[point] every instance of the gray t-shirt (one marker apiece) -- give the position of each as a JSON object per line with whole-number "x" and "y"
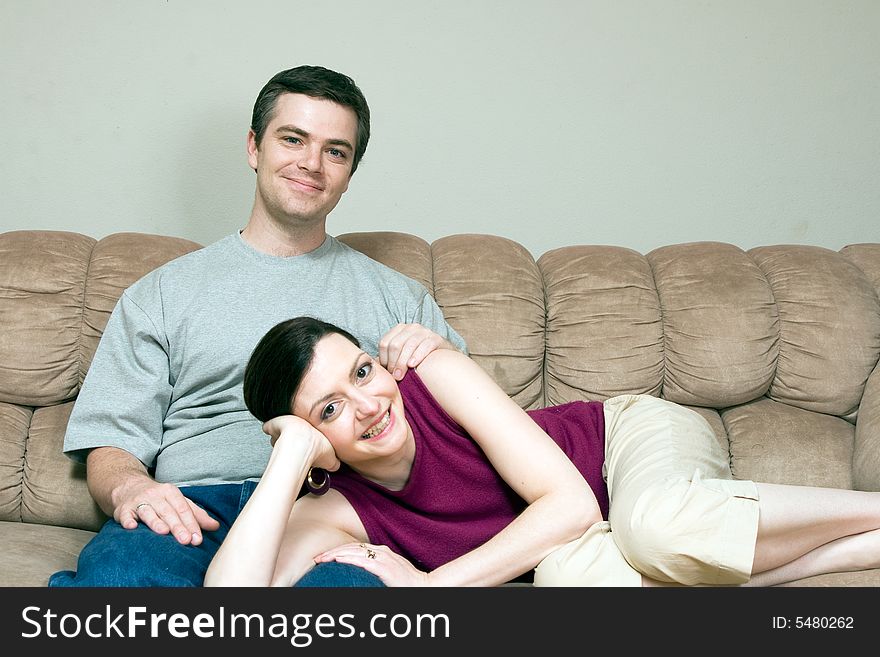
{"x": 166, "y": 381}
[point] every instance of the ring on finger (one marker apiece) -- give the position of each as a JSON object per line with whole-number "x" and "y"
{"x": 371, "y": 554}
{"x": 138, "y": 507}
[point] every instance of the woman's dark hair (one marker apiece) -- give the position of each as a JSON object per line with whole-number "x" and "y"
{"x": 280, "y": 361}
{"x": 317, "y": 82}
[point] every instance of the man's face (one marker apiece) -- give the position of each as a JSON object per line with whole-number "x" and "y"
{"x": 303, "y": 161}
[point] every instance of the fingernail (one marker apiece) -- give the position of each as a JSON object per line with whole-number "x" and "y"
{"x": 397, "y": 374}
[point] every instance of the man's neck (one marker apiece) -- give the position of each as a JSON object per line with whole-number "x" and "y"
{"x": 281, "y": 240}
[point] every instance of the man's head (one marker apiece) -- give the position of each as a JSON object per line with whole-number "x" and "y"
{"x": 316, "y": 82}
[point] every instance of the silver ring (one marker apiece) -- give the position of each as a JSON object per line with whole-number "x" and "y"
{"x": 138, "y": 507}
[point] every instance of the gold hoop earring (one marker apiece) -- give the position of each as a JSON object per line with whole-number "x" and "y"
{"x": 318, "y": 481}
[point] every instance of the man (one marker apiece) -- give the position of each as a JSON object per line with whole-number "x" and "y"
{"x": 172, "y": 453}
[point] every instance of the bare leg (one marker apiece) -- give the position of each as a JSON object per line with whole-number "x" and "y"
{"x": 847, "y": 554}
{"x": 805, "y": 531}
{"x": 795, "y": 520}
{"x": 856, "y": 552}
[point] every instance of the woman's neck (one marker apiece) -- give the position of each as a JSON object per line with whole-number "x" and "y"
{"x": 393, "y": 471}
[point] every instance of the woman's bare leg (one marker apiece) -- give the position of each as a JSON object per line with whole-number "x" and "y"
{"x": 847, "y": 554}
{"x": 805, "y": 531}
{"x": 795, "y": 520}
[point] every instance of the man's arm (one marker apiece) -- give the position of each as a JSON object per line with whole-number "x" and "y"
{"x": 117, "y": 423}
{"x": 123, "y": 489}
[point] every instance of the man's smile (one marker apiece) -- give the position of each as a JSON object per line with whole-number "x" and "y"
{"x": 304, "y": 184}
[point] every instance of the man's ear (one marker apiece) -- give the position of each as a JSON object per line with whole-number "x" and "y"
{"x": 252, "y": 149}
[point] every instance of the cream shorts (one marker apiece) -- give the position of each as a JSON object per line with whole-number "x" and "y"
{"x": 676, "y": 514}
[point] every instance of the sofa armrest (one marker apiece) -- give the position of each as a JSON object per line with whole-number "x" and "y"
{"x": 866, "y": 451}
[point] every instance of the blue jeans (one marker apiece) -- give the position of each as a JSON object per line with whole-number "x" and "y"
{"x": 118, "y": 557}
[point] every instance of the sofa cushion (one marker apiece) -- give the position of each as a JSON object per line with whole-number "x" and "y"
{"x": 31, "y": 553}
{"x": 781, "y": 444}
{"x": 14, "y": 423}
{"x": 408, "y": 254}
{"x": 491, "y": 292}
{"x": 720, "y": 324}
{"x": 866, "y": 451}
{"x": 867, "y": 258}
{"x": 829, "y": 328}
{"x": 43, "y": 277}
{"x": 54, "y": 489}
{"x": 604, "y": 328}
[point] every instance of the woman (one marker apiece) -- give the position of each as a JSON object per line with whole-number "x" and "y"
{"x": 442, "y": 480}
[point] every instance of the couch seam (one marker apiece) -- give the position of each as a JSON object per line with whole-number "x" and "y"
{"x": 24, "y": 453}
{"x": 546, "y": 340}
{"x": 778, "y": 321}
{"x": 864, "y": 274}
{"x": 82, "y": 320}
{"x": 662, "y": 323}
{"x": 724, "y": 424}
{"x": 433, "y": 281}
{"x": 876, "y": 292}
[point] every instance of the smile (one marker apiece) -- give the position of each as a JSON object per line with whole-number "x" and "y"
{"x": 305, "y": 185}
{"x": 379, "y": 427}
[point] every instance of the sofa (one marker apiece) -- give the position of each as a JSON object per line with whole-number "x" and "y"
{"x": 776, "y": 346}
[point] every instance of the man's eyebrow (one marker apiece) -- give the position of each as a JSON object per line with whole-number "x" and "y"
{"x": 302, "y": 133}
{"x": 330, "y": 395}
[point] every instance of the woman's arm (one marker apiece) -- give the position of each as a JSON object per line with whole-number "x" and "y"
{"x": 274, "y": 540}
{"x": 561, "y": 504}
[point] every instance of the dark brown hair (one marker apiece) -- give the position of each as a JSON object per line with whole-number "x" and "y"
{"x": 279, "y": 362}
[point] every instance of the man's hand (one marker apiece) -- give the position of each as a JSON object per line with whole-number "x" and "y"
{"x": 406, "y": 345}
{"x": 164, "y": 509}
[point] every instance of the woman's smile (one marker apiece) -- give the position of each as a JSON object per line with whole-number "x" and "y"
{"x": 381, "y": 427}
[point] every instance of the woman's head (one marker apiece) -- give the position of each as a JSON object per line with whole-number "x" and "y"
{"x": 318, "y": 372}
{"x": 280, "y": 361}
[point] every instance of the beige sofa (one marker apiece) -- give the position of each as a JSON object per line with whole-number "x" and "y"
{"x": 777, "y": 346}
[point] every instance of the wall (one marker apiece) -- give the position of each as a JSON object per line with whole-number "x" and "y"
{"x": 635, "y": 123}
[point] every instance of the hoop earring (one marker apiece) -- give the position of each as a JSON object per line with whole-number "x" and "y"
{"x": 318, "y": 481}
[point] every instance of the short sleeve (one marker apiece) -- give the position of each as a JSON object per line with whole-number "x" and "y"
{"x": 429, "y": 315}
{"x": 126, "y": 391}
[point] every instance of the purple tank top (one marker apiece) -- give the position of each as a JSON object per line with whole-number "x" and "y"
{"x": 454, "y": 500}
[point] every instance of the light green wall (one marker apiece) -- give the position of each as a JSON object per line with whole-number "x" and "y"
{"x": 636, "y": 123}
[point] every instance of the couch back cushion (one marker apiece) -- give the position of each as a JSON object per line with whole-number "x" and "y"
{"x": 829, "y": 327}
{"x": 57, "y": 290}
{"x": 767, "y": 343}
{"x": 43, "y": 278}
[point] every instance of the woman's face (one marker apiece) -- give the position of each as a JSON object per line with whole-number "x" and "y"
{"x": 353, "y": 401}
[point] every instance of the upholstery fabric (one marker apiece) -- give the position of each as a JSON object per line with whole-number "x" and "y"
{"x": 776, "y": 346}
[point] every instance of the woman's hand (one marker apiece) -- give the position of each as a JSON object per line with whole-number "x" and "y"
{"x": 291, "y": 429}
{"x": 390, "y": 567}
{"x": 406, "y": 346}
